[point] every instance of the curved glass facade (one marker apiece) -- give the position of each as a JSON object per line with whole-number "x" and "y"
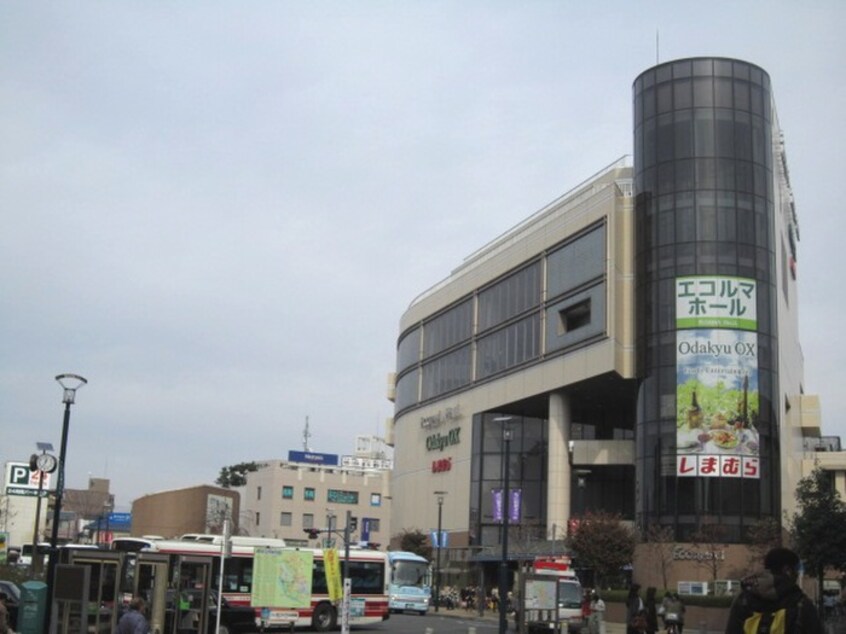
{"x": 707, "y": 428}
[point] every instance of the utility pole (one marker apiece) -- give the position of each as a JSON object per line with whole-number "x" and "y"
{"x": 345, "y": 608}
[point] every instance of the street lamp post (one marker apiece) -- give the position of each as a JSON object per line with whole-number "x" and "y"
{"x": 70, "y": 384}
{"x": 581, "y": 483}
{"x": 503, "y": 564}
{"x": 439, "y": 544}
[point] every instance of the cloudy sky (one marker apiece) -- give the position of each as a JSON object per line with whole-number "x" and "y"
{"x": 217, "y": 211}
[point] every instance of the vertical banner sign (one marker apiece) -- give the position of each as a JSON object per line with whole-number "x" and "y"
{"x": 332, "y": 566}
{"x": 365, "y": 529}
{"x": 497, "y": 504}
{"x": 514, "y": 508}
{"x": 515, "y": 499}
{"x": 717, "y": 395}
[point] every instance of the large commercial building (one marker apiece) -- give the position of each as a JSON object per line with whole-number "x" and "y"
{"x": 632, "y": 347}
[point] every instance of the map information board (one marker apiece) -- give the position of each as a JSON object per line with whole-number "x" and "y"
{"x": 282, "y": 578}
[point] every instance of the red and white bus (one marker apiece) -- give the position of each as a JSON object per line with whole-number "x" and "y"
{"x": 368, "y": 570}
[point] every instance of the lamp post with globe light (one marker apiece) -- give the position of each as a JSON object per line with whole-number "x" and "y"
{"x": 70, "y": 384}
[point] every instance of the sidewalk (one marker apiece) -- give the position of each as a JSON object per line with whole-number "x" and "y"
{"x": 493, "y": 616}
{"x": 610, "y": 627}
{"x": 831, "y": 626}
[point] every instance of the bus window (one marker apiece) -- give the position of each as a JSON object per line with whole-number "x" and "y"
{"x": 368, "y": 577}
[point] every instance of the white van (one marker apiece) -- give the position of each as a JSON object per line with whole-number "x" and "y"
{"x": 25, "y": 558}
{"x": 570, "y": 595}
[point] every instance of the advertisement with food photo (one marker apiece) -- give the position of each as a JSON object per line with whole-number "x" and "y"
{"x": 717, "y": 392}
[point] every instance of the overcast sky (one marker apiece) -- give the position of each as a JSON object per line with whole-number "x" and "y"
{"x": 217, "y": 212}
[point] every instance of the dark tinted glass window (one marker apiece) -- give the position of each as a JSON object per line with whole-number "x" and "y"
{"x": 447, "y": 373}
{"x": 408, "y": 352}
{"x": 722, "y": 93}
{"x": 703, "y": 94}
{"x": 683, "y": 134}
{"x": 683, "y": 94}
{"x": 509, "y": 297}
{"x": 449, "y": 328}
{"x": 510, "y": 346}
{"x": 703, "y": 126}
{"x": 665, "y": 97}
{"x": 742, "y": 96}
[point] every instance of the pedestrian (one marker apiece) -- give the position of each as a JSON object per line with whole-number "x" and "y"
{"x": 597, "y": 614}
{"x": 829, "y": 604}
{"x": 651, "y": 611}
{"x": 4, "y": 614}
{"x": 772, "y": 602}
{"x": 672, "y": 609}
{"x": 133, "y": 620}
{"x": 481, "y": 599}
{"x": 635, "y": 618}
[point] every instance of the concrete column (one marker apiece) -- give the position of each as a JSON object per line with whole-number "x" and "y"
{"x": 558, "y": 464}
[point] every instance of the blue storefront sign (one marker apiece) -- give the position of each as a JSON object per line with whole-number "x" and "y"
{"x": 310, "y": 457}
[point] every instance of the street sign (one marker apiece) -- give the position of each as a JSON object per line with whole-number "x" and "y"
{"x": 32, "y": 493}
{"x": 20, "y": 478}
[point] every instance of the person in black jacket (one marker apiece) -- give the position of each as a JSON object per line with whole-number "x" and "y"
{"x": 635, "y": 615}
{"x": 651, "y": 611}
{"x": 757, "y": 609}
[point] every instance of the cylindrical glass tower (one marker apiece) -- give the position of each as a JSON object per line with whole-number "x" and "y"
{"x": 707, "y": 429}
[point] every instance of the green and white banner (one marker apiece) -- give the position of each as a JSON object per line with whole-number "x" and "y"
{"x": 716, "y": 301}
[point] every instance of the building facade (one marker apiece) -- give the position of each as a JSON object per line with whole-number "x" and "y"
{"x": 315, "y": 491}
{"x": 199, "y": 509}
{"x": 632, "y": 347}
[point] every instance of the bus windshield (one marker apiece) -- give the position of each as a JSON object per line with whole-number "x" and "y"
{"x": 411, "y": 573}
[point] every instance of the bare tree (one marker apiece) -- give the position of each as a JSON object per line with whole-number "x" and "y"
{"x": 658, "y": 541}
{"x": 5, "y": 514}
{"x": 710, "y": 538}
{"x": 763, "y": 535}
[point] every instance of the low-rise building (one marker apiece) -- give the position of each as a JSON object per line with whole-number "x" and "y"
{"x": 199, "y": 509}
{"x": 311, "y": 490}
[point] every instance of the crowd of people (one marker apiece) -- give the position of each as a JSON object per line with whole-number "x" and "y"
{"x": 472, "y": 598}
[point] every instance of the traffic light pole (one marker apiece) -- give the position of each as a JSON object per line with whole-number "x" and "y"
{"x": 345, "y": 608}
{"x": 351, "y": 525}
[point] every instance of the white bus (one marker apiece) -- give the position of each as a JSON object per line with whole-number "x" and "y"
{"x": 410, "y": 586}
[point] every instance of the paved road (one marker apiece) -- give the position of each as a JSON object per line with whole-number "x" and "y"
{"x": 464, "y": 622}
